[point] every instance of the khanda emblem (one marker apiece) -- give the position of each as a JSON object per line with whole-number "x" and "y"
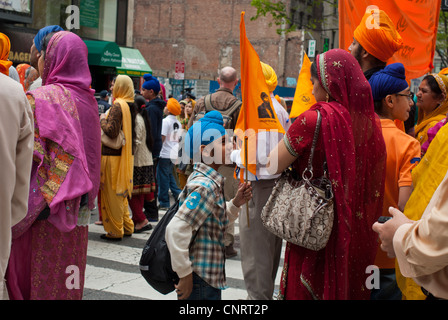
{"x": 306, "y": 99}
{"x": 402, "y": 24}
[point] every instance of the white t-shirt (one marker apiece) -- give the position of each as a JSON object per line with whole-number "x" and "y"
{"x": 171, "y": 130}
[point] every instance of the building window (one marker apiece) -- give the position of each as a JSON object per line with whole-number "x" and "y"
{"x": 98, "y": 19}
{"x": 49, "y": 12}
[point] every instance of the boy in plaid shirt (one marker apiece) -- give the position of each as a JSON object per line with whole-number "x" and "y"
{"x": 203, "y": 212}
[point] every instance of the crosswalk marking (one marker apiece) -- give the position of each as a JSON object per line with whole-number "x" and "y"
{"x": 113, "y": 269}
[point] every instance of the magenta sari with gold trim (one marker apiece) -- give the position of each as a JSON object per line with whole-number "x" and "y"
{"x": 66, "y": 166}
{"x": 356, "y": 155}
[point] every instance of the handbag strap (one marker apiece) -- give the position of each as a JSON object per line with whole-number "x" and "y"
{"x": 316, "y": 137}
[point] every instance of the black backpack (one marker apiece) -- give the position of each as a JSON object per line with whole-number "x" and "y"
{"x": 155, "y": 262}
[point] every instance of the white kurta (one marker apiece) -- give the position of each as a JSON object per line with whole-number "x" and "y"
{"x": 16, "y": 145}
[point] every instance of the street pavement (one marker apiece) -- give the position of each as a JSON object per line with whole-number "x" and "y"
{"x": 113, "y": 273}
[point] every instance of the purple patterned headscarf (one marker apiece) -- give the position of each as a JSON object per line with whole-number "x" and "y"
{"x": 67, "y": 155}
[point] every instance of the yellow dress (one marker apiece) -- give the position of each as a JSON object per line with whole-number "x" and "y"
{"x": 117, "y": 172}
{"x": 426, "y": 178}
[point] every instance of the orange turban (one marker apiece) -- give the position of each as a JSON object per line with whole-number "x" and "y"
{"x": 5, "y": 46}
{"x": 173, "y": 106}
{"x": 381, "y": 42}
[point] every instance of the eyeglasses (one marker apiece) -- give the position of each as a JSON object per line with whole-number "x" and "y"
{"x": 409, "y": 96}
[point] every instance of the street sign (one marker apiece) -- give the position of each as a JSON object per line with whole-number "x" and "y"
{"x": 311, "y": 48}
{"x": 179, "y": 71}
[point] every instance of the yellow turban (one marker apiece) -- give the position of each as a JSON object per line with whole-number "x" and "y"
{"x": 5, "y": 46}
{"x": 444, "y": 72}
{"x": 381, "y": 42}
{"x": 173, "y": 106}
{"x": 270, "y": 76}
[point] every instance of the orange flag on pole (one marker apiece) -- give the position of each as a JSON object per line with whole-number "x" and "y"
{"x": 257, "y": 111}
{"x": 416, "y": 22}
{"x": 303, "y": 98}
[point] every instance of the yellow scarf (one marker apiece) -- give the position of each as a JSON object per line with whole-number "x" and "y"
{"x": 426, "y": 177}
{"x": 123, "y": 93}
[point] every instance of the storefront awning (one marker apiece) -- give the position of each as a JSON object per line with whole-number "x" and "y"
{"x": 104, "y": 53}
{"x": 133, "y": 63}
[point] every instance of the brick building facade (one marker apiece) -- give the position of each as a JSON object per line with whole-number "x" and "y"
{"x": 205, "y": 35}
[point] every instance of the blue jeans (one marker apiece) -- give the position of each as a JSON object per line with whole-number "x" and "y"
{"x": 166, "y": 181}
{"x": 203, "y": 291}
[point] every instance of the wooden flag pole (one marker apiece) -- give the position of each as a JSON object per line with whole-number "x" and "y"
{"x": 246, "y": 138}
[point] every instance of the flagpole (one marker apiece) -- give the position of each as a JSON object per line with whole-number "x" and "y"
{"x": 246, "y": 138}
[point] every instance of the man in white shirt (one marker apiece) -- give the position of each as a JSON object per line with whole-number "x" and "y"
{"x": 169, "y": 153}
{"x": 260, "y": 249}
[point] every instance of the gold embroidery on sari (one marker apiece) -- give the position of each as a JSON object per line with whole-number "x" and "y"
{"x": 308, "y": 287}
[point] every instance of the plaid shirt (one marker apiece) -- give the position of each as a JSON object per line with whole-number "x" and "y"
{"x": 203, "y": 207}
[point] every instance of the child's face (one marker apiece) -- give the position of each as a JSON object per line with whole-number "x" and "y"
{"x": 402, "y": 105}
{"x": 166, "y": 111}
{"x": 220, "y": 150}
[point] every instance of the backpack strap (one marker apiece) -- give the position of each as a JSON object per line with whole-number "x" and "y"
{"x": 208, "y": 103}
{"x": 228, "y": 112}
{"x": 235, "y": 105}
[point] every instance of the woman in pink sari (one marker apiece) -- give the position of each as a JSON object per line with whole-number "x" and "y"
{"x": 49, "y": 247}
{"x": 351, "y": 142}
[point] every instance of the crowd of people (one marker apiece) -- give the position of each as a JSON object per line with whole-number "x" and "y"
{"x": 67, "y": 156}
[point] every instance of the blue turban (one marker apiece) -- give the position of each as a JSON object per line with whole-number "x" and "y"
{"x": 43, "y": 33}
{"x": 390, "y": 80}
{"x": 208, "y": 129}
{"x": 151, "y": 83}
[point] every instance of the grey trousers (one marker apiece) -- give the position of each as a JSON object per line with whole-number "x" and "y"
{"x": 260, "y": 249}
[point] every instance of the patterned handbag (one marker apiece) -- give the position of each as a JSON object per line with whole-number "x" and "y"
{"x": 302, "y": 211}
{"x": 116, "y": 143}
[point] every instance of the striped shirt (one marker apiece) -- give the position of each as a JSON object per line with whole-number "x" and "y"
{"x": 203, "y": 207}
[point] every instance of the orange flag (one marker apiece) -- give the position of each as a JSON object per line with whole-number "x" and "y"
{"x": 416, "y": 22}
{"x": 257, "y": 112}
{"x": 303, "y": 98}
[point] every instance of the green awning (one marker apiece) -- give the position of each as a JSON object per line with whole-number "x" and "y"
{"x": 104, "y": 53}
{"x": 133, "y": 63}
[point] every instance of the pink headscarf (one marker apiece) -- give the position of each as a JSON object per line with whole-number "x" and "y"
{"x": 163, "y": 92}
{"x": 67, "y": 132}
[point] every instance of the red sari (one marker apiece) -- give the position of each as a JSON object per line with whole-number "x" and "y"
{"x": 351, "y": 141}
